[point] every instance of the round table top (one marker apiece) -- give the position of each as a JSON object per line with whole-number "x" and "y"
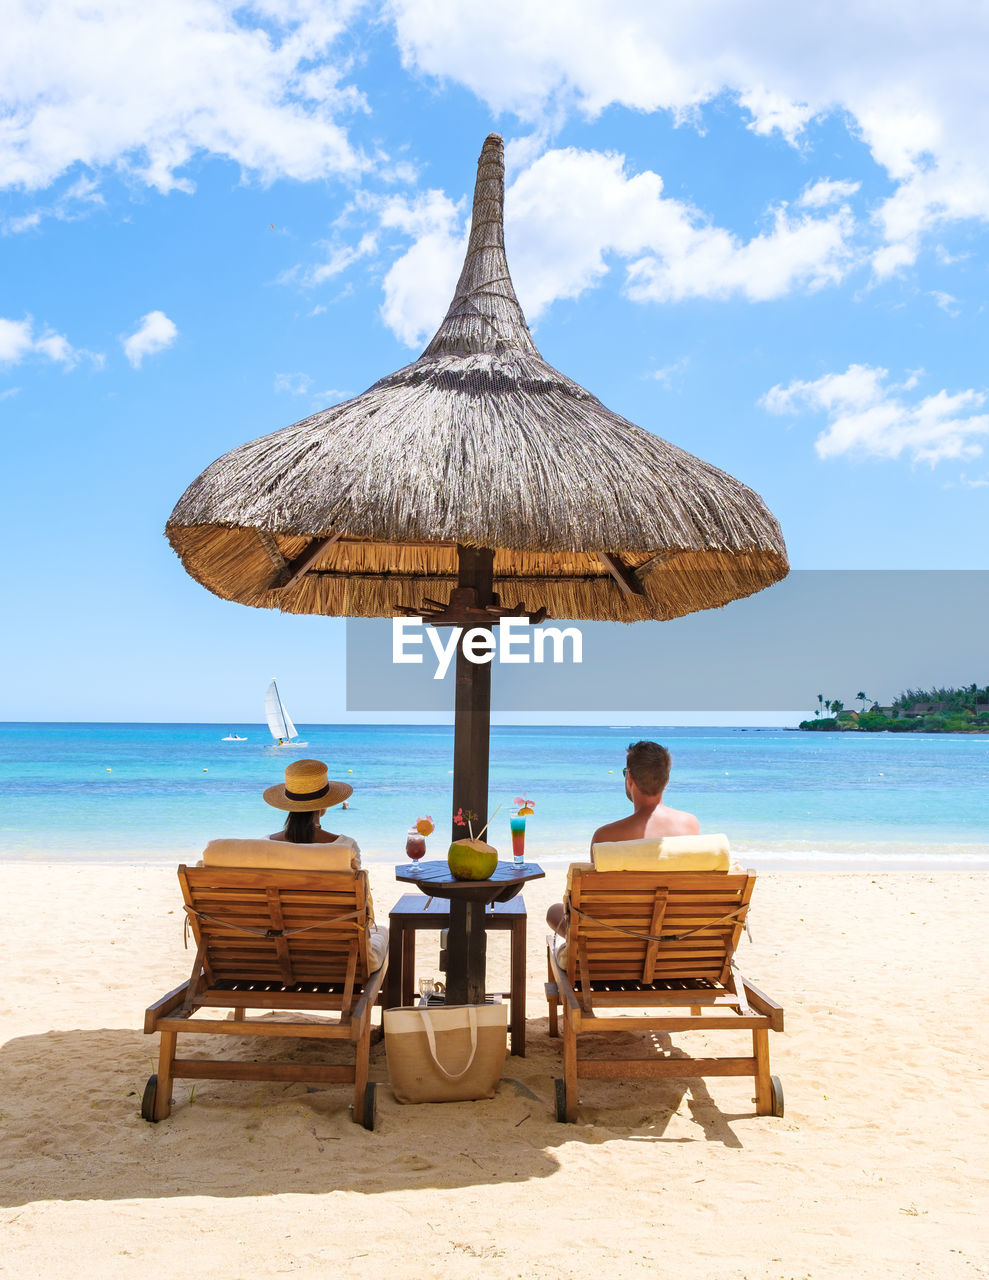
{"x": 436, "y": 879}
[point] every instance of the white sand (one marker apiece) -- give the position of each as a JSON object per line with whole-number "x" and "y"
{"x": 879, "y": 1168}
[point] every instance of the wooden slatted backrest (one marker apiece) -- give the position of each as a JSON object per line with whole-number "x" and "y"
{"x": 316, "y": 935}
{"x": 647, "y": 902}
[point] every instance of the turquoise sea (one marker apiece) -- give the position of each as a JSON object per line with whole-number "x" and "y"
{"x": 155, "y": 792}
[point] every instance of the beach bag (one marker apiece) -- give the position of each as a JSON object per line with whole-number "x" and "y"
{"x": 447, "y": 1054}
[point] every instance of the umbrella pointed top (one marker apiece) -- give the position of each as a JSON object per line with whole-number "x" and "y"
{"x": 485, "y": 315}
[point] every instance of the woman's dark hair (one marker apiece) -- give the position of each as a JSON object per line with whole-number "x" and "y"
{"x": 301, "y": 827}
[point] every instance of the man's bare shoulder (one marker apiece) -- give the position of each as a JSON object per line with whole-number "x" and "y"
{"x": 665, "y": 821}
{"x": 624, "y": 829}
{"x": 686, "y": 822}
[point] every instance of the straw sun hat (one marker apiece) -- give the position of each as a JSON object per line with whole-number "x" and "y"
{"x": 307, "y": 787}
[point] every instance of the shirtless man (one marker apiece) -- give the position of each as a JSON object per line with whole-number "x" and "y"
{"x": 647, "y": 772}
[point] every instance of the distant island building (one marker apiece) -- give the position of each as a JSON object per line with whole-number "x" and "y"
{"x": 924, "y": 711}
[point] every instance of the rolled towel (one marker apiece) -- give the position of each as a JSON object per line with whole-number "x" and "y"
{"x": 671, "y": 853}
{"x": 279, "y": 855}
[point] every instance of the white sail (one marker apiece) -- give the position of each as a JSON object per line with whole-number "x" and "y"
{"x": 279, "y": 721}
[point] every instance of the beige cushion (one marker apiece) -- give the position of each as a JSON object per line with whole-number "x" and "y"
{"x": 377, "y": 944}
{"x": 278, "y": 855}
{"x": 671, "y": 853}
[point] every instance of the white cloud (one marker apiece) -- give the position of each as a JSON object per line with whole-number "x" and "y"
{"x": 669, "y": 373}
{"x": 946, "y": 301}
{"x": 826, "y": 192}
{"x": 339, "y": 258}
{"x": 300, "y": 384}
{"x": 909, "y": 80}
{"x": 79, "y": 199}
{"x": 18, "y": 340}
{"x": 571, "y": 213}
{"x": 57, "y": 348}
{"x": 419, "y": 285}
{"x": 296, "y": 384}
{"x": 868, "y": 416}
{"x": 148, "y": 86}
{"x": 771, "y": 110}
{"x": 24, "y": 222}
{"x": 947, "y": 259}
{"x": 693, "y": 260}
{"x": 155, "y": 333}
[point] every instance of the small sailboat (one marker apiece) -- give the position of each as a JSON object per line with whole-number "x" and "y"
{"x": 279, "y": 721}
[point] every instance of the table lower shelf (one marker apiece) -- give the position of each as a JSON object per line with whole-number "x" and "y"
{"x": 413, "y": 912}
{"x": 439, "y": 1001}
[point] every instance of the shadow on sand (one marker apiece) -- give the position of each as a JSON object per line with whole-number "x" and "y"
{"x": 73, "y": 1130}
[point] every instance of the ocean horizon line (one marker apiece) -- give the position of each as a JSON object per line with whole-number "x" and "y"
{"x": 401, "y": 724}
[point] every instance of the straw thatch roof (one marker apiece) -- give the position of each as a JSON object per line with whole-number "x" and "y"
{"x": 358, "y": 509}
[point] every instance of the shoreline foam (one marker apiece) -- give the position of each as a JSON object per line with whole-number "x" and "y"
{"x": 780, "y": 855}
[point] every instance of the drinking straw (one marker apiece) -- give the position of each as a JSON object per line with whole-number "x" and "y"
{"x": 488, "y": 823}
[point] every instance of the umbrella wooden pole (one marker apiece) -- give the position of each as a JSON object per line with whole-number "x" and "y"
{"x": 472, "y": 727}
{"x": 472, "y": 715}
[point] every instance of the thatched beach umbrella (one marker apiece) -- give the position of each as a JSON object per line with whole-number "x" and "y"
{"x": 475, "y": 482}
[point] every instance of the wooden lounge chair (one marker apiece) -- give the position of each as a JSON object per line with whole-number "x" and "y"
{"x": 654, "y": 951}
{"x": 275, "y": 940}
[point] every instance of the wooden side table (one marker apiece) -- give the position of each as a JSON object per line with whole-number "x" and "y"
{"x": 413, "y": 911}
{"x": 469, "y": 902}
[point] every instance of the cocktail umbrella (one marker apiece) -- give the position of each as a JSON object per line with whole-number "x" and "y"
{"x": 475, "y": 482}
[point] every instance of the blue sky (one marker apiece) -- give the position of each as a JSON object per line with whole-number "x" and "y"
{"x": 755, "y": 230}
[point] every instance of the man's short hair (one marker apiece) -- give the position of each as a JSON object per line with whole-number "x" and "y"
{"x": 649, "y": 764}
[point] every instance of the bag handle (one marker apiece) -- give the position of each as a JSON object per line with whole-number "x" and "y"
{"x": 431, "y": 1041}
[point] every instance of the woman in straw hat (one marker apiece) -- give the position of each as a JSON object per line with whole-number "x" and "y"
{"x": 305, "y": 796}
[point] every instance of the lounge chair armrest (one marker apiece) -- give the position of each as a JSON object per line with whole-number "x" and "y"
{"x": 763, "y": 1004}
{"x": 164, "y": 1006}
{"x": 369, "y": 996}
{"x": 566, "y": 992}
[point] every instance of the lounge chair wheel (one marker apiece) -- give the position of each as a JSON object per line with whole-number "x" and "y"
{"x": 777, "y": 1088}
{"x": 370, "y": 1111}
{"x": 561, "y": 1099}
{"x": 148, "y": 1101}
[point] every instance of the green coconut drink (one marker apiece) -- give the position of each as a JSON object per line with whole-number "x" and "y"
{"x": 472, "y": 859}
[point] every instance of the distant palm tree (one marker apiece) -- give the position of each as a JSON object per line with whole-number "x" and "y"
{"x": 863, "y": 698}
{"x": 820, "y": 699}
{"x": 837, "y": 707}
